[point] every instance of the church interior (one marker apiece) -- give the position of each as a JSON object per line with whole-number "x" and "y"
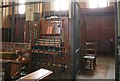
{"x": 59, "y": 40}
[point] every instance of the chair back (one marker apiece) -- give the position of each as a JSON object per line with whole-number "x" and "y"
{"x": 91, "y": 47}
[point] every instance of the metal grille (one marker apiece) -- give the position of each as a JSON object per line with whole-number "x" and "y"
{"x": 54, "y": 35}
{"x": 117, "y": 44}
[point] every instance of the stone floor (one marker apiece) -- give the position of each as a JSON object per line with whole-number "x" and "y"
{"x": 105, "y": 69}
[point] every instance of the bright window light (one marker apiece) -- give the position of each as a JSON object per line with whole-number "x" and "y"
{"x": 21, "y": 1}
{"x": 102, "y": 3}
{"x": 21, "y": 8}
{"x": 60, "y": 5}
{"x": 98, "y": 3}
{"x": 92, "y": 3}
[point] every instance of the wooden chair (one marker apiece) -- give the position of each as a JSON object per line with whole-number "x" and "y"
{"x": 90, "y": 56}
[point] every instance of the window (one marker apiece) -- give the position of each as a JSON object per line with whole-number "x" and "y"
{"x": 21, "y": 8}
{"x": 60, "y": 5}
{"x": 98, "y": 3}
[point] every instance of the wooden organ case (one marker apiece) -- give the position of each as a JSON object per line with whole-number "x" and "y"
{"x": 50, "y": 51}
{"x": 31, "y": 31}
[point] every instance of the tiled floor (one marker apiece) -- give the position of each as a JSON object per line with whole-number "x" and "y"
{"x": 105, "y": 69}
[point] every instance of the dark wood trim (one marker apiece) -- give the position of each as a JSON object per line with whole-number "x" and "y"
{"x": 97, "y": 10}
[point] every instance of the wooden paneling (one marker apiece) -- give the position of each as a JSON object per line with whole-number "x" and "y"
{"x": 6, "y": 34}
{"x": 85, "y": 3}
{"x": 100, "y": 27}
{"x": 19, "y": 30}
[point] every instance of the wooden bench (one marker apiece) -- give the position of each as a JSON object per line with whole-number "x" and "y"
{"x": 8, "y": 55}
{"x": 39, "y": 75}
{"x": 8, "y": 51}
{"x": 11, "y": 69}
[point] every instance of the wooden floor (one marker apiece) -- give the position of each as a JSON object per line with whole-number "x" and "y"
{"x": 105, "y": 69}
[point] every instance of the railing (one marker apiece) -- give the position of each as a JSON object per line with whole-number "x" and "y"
{"x": 13, "y": 46}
